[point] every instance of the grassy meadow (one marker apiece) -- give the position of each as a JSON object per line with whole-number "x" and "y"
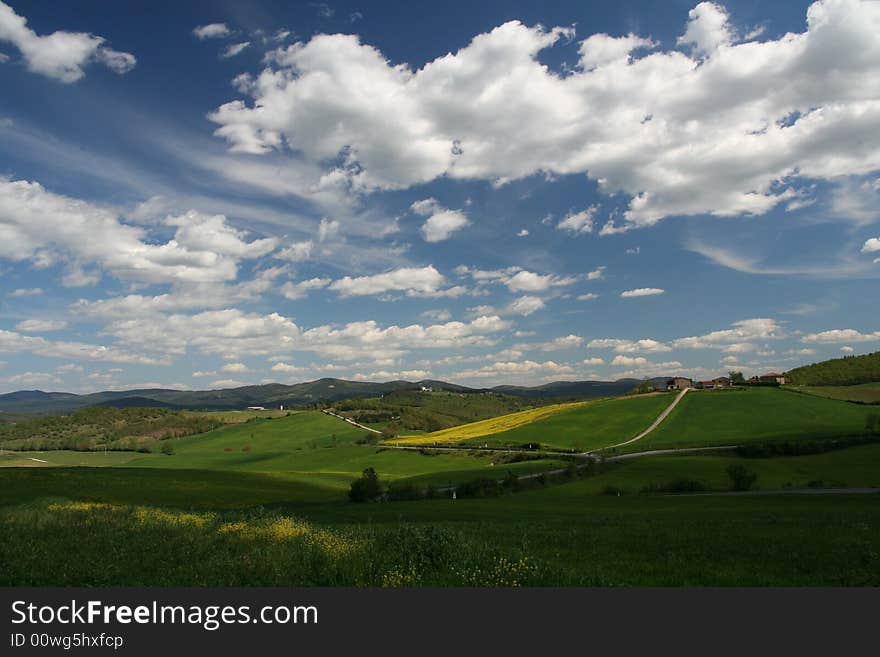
{"x": 867, "y": 393}
{"x": 732, "y": 417}
{"x": 264, "y": 502}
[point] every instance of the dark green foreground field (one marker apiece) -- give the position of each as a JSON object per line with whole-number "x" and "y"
{"x": 264, "y": 503}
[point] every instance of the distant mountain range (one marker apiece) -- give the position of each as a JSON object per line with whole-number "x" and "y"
{"x": 274, "y": 395}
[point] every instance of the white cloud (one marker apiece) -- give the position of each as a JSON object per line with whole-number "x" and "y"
{"x": 291, "y": 290}
{"x": 578, "y": 222}
{"x": 730, "y": 129}
{"x": 707, "y": 28}
{"x": 327, "y": 229}
{"x": 527, "y": 281}
{"x": 746, "y": 330}
{"x": 601, "y": 49}
{"x": 593, "y": 361}
{"x": 234, "y": 49}
{"x": 235, "y": 334}
{"x": 384, "y": 375}
{"x": 589, "y": 296}
{"x": 847, "y": 349}
{"x": 570, "y": 341}
{"x": 60, "y": 55}
{"x": 228, "y": 383}
{"x": 12, "y": 342}
{"x": 413, "y": 280}
{"x": 630, "y": 361}
{"x": 871, "y": 245}
{"x": 597, "y": 274}
{"x": 646, "y": 345}
{"x": 296, "y": 252}
{"x": 441, "y": 315}
{"x": 211, "y": 31}
{"x": 523, "y": 233}
{"x": 441, "y": 222}
{"x": 40, "y": 325}
{"x": 641, "y": 292}
{"x": 235, "y": 368}
{"x": 287, "y": 368}
{"x": 33, "y": 379}
{"x": 840, "y": 335}
{"x": 525, "y": 306}
{"x": 204, "y": 249}
{"x": 26, "y": 292}
{"x": 519, "y": 368}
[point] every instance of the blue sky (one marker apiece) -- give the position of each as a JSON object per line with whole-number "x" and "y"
{"x": 219, "y": 193}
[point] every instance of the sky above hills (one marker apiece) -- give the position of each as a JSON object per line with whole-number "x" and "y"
{"x": 214, "y": 194}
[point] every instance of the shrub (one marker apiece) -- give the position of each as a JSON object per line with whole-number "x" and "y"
{"x": 482, "y": 487}
{"x": 741, "y": 477}
{"x": 404, "y": 491}
{"x": 167, "y": 448}
{"x": 366, "y": 489}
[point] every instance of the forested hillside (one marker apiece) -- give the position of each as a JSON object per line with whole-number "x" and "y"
{"x": 849, "y": 370}
{"x": 99, "y": 427}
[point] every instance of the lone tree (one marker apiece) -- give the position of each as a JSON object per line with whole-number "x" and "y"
{"x": 736, "y": 378}
{"x": 366, "y": 489}
{"x": 167, "y": 448}
{"x": 741, "y": 477}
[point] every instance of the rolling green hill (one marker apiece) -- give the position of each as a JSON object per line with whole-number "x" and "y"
{"x": 100, "y": 427}
{"x": 733, "y": 417}
{"x": 846, "y": 371}
{"x": 273, "y": 395}
{"x": 574, "y": 426}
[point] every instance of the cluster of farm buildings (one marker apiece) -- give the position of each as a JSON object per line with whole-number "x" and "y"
{"x": 681, "y": 382}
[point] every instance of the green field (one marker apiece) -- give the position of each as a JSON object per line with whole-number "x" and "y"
{"x": 312, "y": 454}
{"x": 588, "y": 427}
{"x": 868, "y": 393}
{"x": 265, "y": 503}
{"x": 734, "y": 417}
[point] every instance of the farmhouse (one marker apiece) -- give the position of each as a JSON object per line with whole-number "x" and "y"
{"x": 772, "y": 377}
{"x": 679, "y": 383}
{"x": 256, "y": 408}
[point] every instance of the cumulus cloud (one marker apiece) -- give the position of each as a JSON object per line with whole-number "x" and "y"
{"x": 12, "y": 342}
{"x": 60, "y": 55}
{"x": 840, "y": 335}
{"x": 441, "y": 222}
{"x": 233, "y": 333}
{"x": 641, "y": 292}
{"x": 525, "y": 306}
{"x": 40, "y": 325}
{"x": 236, "y": 368}
{"x": 578, "y": 222}
{"x": 645, "y": 345}
{"x": 204, "y": 249}
{"x": 871, "y": 245}
{"x": 414, "y": 281}
{"x": 211, "y": 31}
{"x": 707, "y": 28}
{"x": 746, "y": 330}
{"x": 291, "y": 290}
{"x": 729, "y": 128}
